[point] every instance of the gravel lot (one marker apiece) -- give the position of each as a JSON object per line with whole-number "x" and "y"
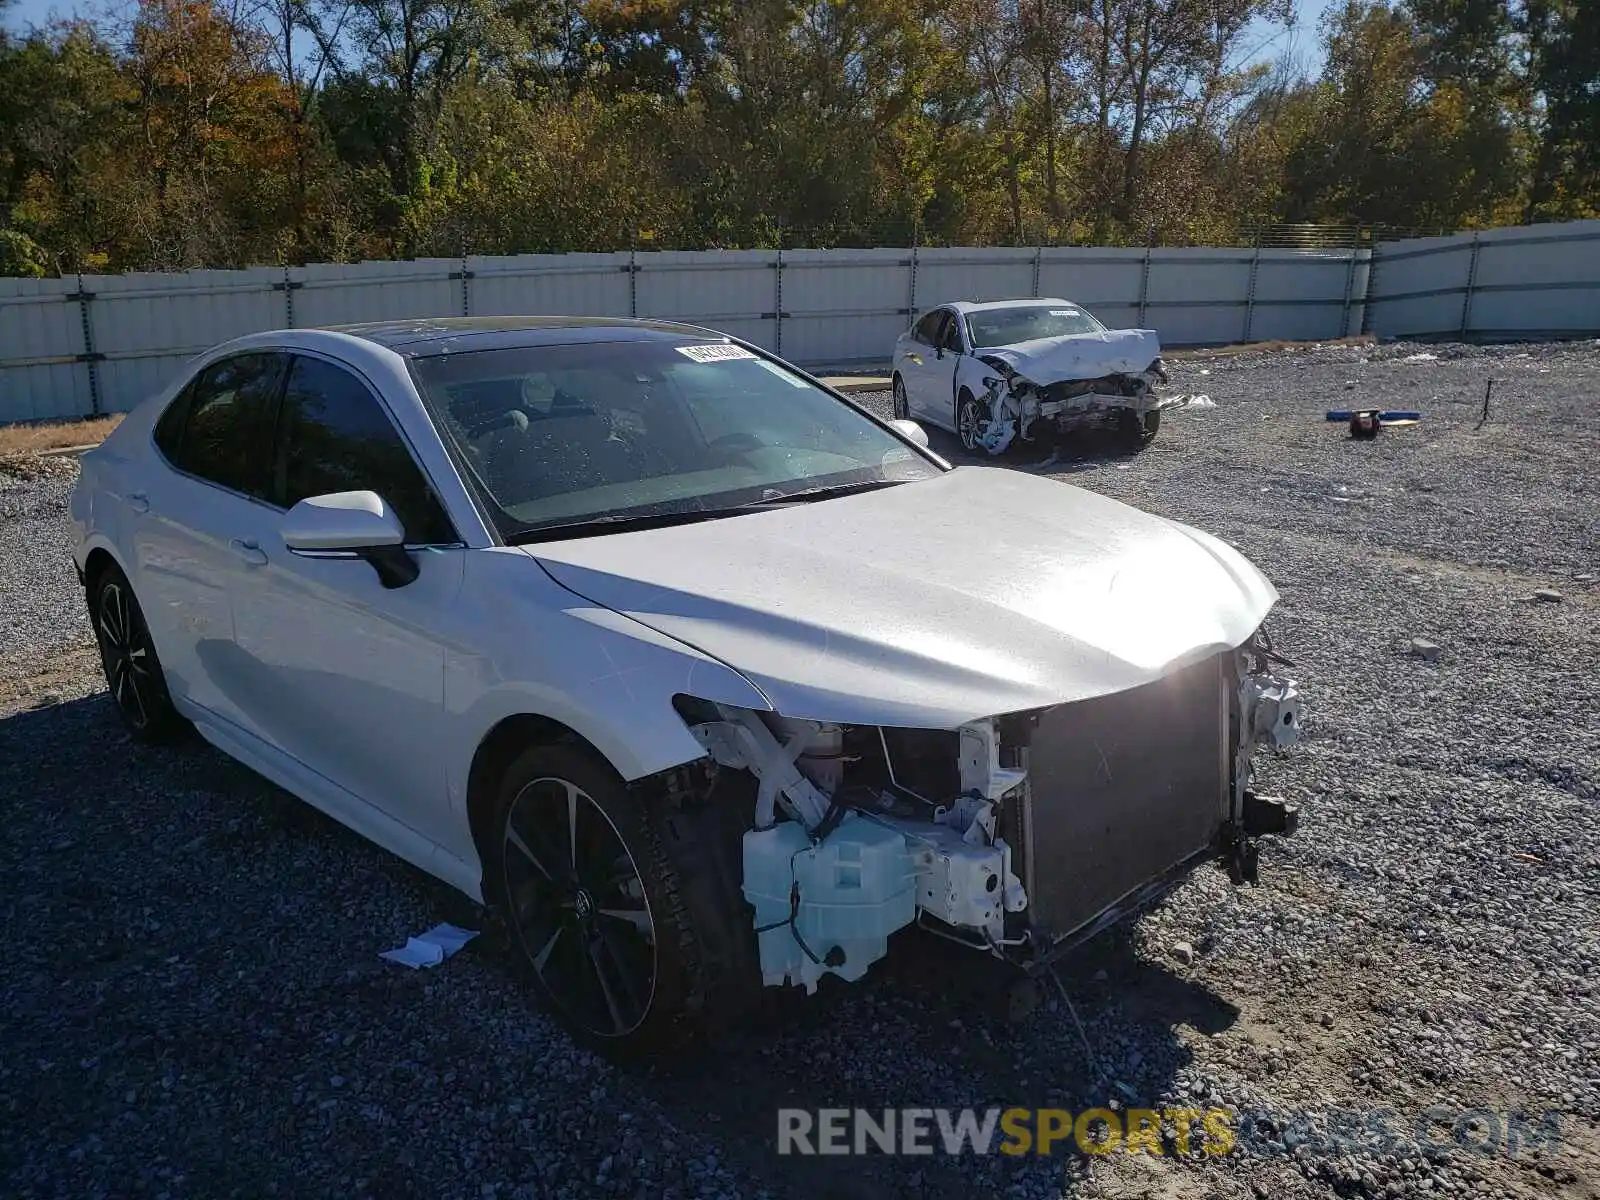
{"x": 192, "y": 1003}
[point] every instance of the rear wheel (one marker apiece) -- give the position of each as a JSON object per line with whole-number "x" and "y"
{"x": 594, "y": 907}
{"x": 128, "y": 656}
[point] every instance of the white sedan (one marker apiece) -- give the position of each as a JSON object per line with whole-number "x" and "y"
{"x": 1002, "y": 371}
{"x": 701, "y": 675}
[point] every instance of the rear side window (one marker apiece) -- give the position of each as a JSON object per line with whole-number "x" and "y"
{"x": 337, "y": 437}
{"x": 217, "y": 429}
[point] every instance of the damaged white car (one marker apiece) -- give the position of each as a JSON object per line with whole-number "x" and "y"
{"x": 700, "y": 675}
{"x": 1010, "y": 371}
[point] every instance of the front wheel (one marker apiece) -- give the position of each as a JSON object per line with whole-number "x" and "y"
{"x": 133, "y": 673}
{"x": 1134, "y": 430}
{"x": 970, "y": 421}
{"x": 594, "y": 907}
{"x": 902, "y": 406}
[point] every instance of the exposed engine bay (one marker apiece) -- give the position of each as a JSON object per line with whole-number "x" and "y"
{"x": 1017, "y": 836}
{"x": 1017, "y": 408}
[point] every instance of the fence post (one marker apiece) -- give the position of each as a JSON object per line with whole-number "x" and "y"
{"x": 1472, "y": 280}
{"x": 633, "y": 272}
{"x": 1250, "y": 293}
{"x": 1038, "y": 255}
{"x": 466, "y": 283}
{"x": 916, "y": 239}
{"x": 288, "y": 287}
{"x": 90, "y": 357}
{"x": 1368, "y": 296}
{"x": 777, "y": 296}
{"x": 1144, "y": 275}
{"x": 1350, "y": 283}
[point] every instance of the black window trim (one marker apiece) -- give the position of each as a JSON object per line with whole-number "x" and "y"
{"x": 185, "y": 397}
{"x": 279, "y": 446}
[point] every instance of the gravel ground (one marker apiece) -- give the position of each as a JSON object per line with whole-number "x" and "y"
{"x": 193, "y": 1003}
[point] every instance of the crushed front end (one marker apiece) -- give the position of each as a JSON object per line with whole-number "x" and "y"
{"x": 1018, "y": 836}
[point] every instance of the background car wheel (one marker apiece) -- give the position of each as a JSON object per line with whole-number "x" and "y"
{"x": 1134, "y": 431}
{"x": 128, "y": 655}
{"x": 902, "y": 406}
{"x": 970, "y": 420}
{"x": 595, "y": 910}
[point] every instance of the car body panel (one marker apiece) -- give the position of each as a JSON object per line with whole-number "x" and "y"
{"x": 908, "y": 607}
{"x": 1080, "y": 356}
{"x": 918, "y": 605}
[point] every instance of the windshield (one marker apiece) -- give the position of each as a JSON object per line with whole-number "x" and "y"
{"x": 1025, "y": 322}
{"x": 602, "y": 431}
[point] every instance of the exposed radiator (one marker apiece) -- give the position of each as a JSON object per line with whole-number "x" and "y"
{"x": 1122, "y": 789}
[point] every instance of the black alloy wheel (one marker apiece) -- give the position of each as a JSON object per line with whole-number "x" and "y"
{"x": 128, "y": 656}
{"x": 590, "y": 901}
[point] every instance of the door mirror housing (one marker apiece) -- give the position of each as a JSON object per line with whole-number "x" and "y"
{"x": 357, "y": 524}
{"x": 911, "y": 430}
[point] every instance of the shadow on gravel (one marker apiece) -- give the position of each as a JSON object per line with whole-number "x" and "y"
{"x": 931, "y": 1029}
{"x": 134, "y": 871}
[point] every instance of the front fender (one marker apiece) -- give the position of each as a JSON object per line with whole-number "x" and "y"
{"x": 540, "y": 650}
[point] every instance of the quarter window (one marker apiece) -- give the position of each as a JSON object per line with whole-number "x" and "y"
{"x": 336, "y": 437}
{"x": 217, "y": 429}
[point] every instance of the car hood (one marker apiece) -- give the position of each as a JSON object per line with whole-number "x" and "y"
{"x": 980, "y": 592}
{"x": 1080, "y": 355}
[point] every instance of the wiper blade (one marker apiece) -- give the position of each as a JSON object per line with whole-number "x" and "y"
{"x": 625, "y": 522}
{"x": 613, "y": 523}
{"x": 818, "y": 493}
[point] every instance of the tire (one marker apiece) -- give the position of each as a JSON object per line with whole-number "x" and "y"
{"x": 596, "y": 918}
{"x": 1134, "y": 432}
{"x": 134, "y": 677}
{"x": 902, "y": 406}
{"x": 969, "y": 414}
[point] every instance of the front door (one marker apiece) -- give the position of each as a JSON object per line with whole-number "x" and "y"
{"x": 347, "y": 676}
{"x": 193, "y": 525}
{"x": 929, "y": 396}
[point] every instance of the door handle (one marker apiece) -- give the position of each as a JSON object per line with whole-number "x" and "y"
{"x": 249, "y": 552}
{"x": 139, "y": 502}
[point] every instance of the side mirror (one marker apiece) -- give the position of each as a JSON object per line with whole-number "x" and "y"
{"x": 354, "y": 523}
{"x": 912, "y": 430}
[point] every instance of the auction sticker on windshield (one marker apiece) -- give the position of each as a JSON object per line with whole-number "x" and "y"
{"x": 714, "y": 353}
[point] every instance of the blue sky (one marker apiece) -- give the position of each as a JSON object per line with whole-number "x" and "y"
{"x": 1268, "y": 43}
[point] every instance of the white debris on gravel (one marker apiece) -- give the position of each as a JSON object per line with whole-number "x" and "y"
{"x": 1429, "y": 940}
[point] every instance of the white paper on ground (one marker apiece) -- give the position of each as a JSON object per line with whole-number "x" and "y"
{"x": 431, "y": 948}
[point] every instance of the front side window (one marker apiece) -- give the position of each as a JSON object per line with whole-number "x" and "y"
{"x": 927, "y": 330}
{"x": 950, "y": 338}
{"x": 561, "y": 435}
{"x": 1026, "y": 322}
{"x": 337, "y": 437}
{"x": 219, "y": 426}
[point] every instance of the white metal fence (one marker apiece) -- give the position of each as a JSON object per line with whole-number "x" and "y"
{"x": 1523, "y": 282}
{"x": 92, "y": 344}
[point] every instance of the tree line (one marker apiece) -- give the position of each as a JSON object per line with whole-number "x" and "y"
{"x": 218, "y": 133}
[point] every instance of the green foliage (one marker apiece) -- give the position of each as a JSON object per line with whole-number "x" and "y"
{"x": 21, "y": 256}
{"x": 298, "y": 130}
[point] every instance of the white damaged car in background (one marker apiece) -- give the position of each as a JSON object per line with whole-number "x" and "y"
{"x": 699, "y": 675}
{"x": 1007, "y": 371}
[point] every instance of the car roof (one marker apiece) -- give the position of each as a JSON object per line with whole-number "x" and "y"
{"x": 423, "y": 336}
{"x": 972, "y": 306}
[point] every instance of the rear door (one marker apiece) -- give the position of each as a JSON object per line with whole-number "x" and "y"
{"x": 194, "y": 539}
{"x": 347, "y": 676}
